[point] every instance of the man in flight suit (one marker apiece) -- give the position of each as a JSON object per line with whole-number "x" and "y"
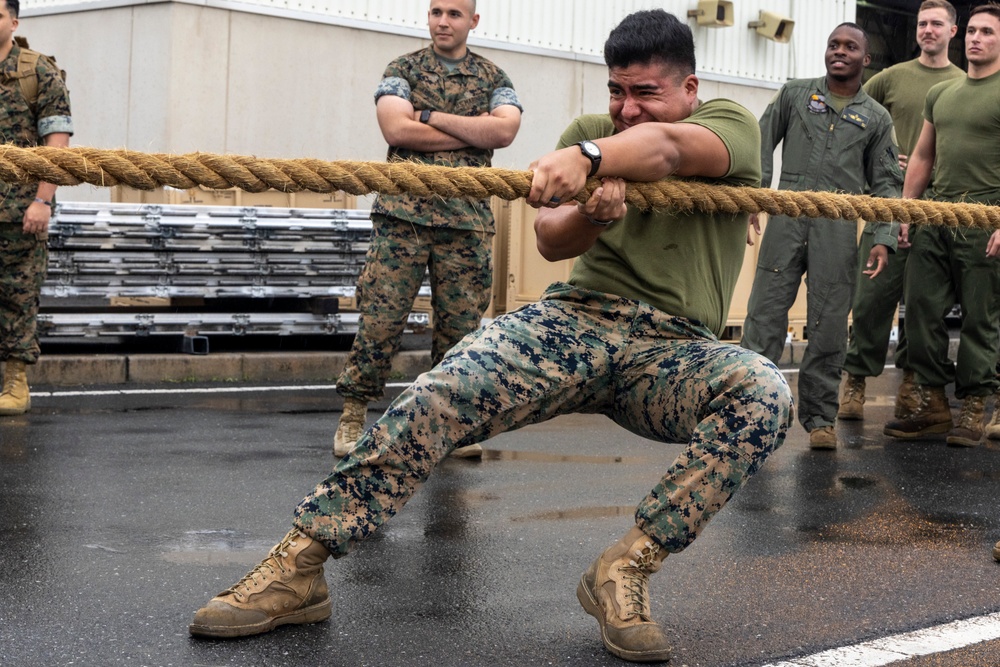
{"x": 835, "y": 138}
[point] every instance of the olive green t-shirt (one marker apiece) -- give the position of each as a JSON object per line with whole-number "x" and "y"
{"x": 902, "y": 89}
{"x": 684, "y": 264}
{"x": 966, "y": 117}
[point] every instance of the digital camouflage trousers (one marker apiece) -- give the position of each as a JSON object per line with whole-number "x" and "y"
{"x": 24, "y": 259}
{"x": 460, "y": 266}
{"x": 659, "y": 376}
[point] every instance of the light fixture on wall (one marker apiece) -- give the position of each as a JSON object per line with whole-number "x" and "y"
{"x": 713, "y": 13}
{"x": 774, "y": 27}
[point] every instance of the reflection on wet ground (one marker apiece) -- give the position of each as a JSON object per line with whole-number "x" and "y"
{"x": 579, "y": 513}
{"x": 544, "y": 457}
{"x": 215, "y": 547}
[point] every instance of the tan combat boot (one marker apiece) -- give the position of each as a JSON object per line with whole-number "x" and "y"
{"x": 824, "y": 437}
{"x": 287, "y": 587}
{"x": 931, "y": 415}
{"x": 906, "y": 396}
{"x": 615, "y": 591}
{"x": 969, "y": 430}
{"x": 15, "y": 399}
{"x": 993, "y": 428}
{"x": 852, "y": 398}
{"x": 996, "y": 551}
{"x": 351, "y": 426}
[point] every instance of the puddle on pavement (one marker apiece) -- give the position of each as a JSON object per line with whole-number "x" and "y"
{"x": 579, "y": 513}
{"x": 542, "y": 457}
{"x": 896, "y": 522}
{"x": 856, "y": 482}
{"x": 215, "y": 547}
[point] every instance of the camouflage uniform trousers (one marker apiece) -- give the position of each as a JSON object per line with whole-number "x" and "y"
{"x": 24, "y": 258}
{"x": 659, "y": 376}
{"x": 460, "y": 263}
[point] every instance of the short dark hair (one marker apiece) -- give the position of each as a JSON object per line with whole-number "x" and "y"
{"x": 651, "y": 35}
{"x": 989, "y": 8}
{"x": 855, "y": 26}
{"x": 14, "y": 7}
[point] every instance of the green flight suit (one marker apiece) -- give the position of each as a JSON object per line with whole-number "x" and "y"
{"x": 822, "y": 150}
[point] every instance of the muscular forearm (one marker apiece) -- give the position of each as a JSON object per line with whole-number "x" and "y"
{"x": 47, "y": 191}
{"x": 652, "y": 151}
{"x": 417, "y": 136}
{"x": 563, "y": 233}
{"x": 917, "y": 177}
{"x": 570, "y": 230}
{"x": 486, "y": 131}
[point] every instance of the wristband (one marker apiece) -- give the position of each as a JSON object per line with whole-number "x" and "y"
{"x": 42, "y": 201}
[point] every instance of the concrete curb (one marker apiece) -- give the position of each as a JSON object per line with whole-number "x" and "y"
{"x": 111, "y": 369}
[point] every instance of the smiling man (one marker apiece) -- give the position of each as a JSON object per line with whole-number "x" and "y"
{"x": 835, "y": 138}
{"x": 632, "y": 335}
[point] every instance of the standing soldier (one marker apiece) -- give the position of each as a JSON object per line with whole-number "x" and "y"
{"x": 442, "y": 105}
{"x": 835, "y": 138}
{"x": 901, "y": 89}
{"x": 36, "y": 110}
{"x": 960, "y": 145}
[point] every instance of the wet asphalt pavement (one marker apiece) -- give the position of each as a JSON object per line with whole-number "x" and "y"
{"x": 120, "y": 515}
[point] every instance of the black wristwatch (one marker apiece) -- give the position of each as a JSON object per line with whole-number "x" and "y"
{"x": 425, "y": 115}
{"x": 593, "y": 153}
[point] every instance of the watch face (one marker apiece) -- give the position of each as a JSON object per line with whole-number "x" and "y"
{"x": 591, "y": 148}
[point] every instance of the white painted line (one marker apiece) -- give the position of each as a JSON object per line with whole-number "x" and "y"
{"x": 938, "y": 639}
{"x": 194, "y": 390}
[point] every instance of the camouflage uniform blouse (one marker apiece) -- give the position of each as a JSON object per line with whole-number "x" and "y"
{"x": 25, "y": 126}
{"x": 475, "y": 86}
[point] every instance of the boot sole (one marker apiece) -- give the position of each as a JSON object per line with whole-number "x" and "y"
{"x": 996, "y": 552}
{"x": 823, "y": 446}
{"x": 962, "y": 442}
{"x": 851, "y": 416}
{"x": 314, "y": 614}
{"x": 593, "y": 607}
{"x": 936, "y": 429}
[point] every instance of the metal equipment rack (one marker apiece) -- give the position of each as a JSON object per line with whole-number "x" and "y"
{"x": 121, "y": 269}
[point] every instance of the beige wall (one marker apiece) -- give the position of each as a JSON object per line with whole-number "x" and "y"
{"x": 179, "y": 78}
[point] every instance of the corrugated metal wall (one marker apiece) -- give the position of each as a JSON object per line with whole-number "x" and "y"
{"x": 573, "y": 29}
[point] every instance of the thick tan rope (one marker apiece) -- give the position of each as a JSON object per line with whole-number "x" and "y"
{"x": 147, "y": 171}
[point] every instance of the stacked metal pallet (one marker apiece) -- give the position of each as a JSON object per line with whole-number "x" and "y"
{"x": 118, "y": 269}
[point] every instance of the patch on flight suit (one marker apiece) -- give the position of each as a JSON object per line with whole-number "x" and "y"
{"x": 858, "y": 119}
{"x": 817, "y": 103}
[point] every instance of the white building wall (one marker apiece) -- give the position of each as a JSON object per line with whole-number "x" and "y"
{"x": 280, "y": 78}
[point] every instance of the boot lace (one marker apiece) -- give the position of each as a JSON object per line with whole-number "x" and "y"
{"x": 9, "y": 382}
{"x": 922, "y": 400}
{"x": 855, "y": 388}
{"x": 972, "y": 413}
{"x": 636, "y": 580}
{"x": 267, "y": 567}
{"x": 351, "y": 430}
